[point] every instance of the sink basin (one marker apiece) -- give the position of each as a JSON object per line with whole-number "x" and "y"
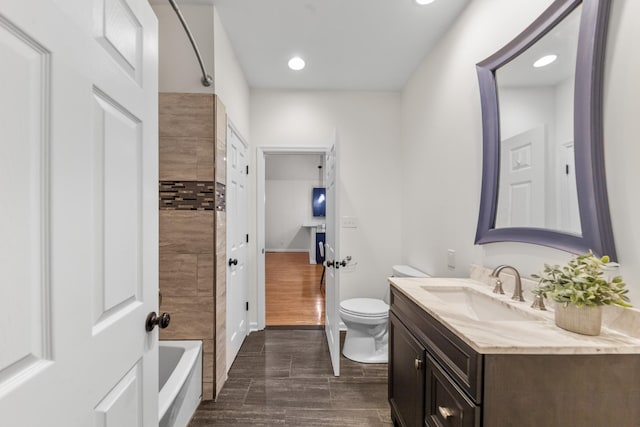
{"x": 476, "y": 305}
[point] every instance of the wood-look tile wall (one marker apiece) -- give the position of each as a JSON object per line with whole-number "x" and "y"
{"x": 221, "y": 248}
{"x": 188, "y": 248}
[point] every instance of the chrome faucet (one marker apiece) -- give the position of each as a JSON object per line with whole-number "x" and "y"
{"x": 517, "y": 291}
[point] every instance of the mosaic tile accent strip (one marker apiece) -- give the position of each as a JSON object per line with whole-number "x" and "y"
{"x": 221, "y": 197}
{"x": 187, "y": 195}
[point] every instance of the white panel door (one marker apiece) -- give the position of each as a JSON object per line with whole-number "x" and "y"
{"x": 568, "y": 193}
{"x": 332, "y": 290}
{"x": 78, "y": 217}
{"x": 237, "y": 232}
{"x": 521, "y": 201}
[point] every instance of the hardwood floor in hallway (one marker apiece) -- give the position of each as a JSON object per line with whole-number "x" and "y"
{"x": 292, "y": 288}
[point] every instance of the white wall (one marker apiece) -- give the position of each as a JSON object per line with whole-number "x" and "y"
{"x": 178, "y": 67}
{"x": 564, "y": 109}
{"x": 442, "y": 143}
{"x": 525, "y": 108}
{"x": 368, "y": 131}
{"x": 230, "y": 82}
{"x": 287, "y": 208}
{"x": 621, "y": 133}
{"x": 289, "y": 184}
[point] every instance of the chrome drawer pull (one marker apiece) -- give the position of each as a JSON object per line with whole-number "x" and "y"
{"x": 445, "y": 412}
{"x": 418, "y": 364}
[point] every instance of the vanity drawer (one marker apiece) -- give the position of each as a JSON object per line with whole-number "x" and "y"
{"x": 445, "y": 404}
{"x": 460, "y": 361}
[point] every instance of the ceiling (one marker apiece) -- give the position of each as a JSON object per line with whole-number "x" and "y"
{"x": 562, "y": 41}
{"x": 347, "y": 44}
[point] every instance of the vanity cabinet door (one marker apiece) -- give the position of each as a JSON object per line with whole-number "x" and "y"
{"x": 407, "y": 359}
{"x": 462, "y": 363}
{"x": 446, "y": 405}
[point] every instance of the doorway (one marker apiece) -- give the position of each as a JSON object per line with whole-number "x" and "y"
{"x": 294, "y": 239}
{"x": 290, "y": 238}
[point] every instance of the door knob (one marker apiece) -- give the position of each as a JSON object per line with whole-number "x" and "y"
{"x": 233, "y": 261}
{"x": 418, "y": 364}
{"x": 153, "y": 319}
{"x": 329, "y": 263}
{"x": 345, "y": 261}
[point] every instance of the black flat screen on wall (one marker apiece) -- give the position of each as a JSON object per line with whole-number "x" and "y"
{"x": 319, "y": 202}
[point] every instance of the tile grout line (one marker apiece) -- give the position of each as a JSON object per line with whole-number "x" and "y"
{"x": 246, "y": 393}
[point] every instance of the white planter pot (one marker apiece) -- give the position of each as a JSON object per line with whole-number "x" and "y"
{"x": 582, "y": 320}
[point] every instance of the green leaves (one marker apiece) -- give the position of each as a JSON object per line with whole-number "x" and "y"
{"x": 582, "y": 282}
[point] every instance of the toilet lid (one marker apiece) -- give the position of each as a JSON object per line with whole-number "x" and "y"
{"x": 368, "y": 307}
{"x": 407, "y": 271}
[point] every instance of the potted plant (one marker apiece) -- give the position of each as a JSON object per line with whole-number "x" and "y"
{"x": 580, "y": 289}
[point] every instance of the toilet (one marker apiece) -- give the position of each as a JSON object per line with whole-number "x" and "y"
{"x": 366, "y": 320}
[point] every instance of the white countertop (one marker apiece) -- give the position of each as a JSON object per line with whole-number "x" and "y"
{"x": 619, "y": 332}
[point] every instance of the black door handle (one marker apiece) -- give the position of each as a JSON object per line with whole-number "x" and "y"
{"x": 329, "y": 263}
{"x": 233, "y": 261}
{"x": 153, "y": 319}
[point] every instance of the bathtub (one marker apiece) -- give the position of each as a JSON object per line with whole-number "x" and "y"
{"x": 180, "y": 381}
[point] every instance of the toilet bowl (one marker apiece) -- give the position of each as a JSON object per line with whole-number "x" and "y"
{"x": 366, "y": 319}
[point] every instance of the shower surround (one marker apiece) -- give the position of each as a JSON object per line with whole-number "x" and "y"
{"x": 193, "y": 226}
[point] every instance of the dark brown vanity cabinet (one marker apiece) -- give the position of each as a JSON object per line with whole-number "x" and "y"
{"x": 437, "y": 380}
{"x": 445, "y": 404}
{"x": 407, "y": 359}
{"x": 422, "y": 391}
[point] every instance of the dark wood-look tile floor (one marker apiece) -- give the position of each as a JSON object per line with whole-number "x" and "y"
{"x": 284, "y": 378}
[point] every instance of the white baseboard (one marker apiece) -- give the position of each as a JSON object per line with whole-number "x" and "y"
{"x": 287, "y": 250}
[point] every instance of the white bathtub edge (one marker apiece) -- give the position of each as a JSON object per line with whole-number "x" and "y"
{"x": 173, "y": 385}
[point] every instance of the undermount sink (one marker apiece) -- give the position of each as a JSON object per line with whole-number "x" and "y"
{"x": 476, "y": 305}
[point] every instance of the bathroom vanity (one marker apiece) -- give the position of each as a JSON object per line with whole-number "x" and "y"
{"x": 461, "y": 357}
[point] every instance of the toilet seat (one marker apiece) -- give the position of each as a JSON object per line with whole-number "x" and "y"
{"x": 369, "y": 308}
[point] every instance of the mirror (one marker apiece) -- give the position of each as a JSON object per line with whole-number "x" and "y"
{"x": 543, "y": 168}
{"x": 537, "y": 182}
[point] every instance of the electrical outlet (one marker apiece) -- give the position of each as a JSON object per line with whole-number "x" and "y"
{"x": 349, "y": 222}
{"x": 451, "y": 258}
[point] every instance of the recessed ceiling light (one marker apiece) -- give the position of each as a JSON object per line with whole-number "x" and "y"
{"x": 423, "y": 2}
{"x": 296, "y": 63}
{"x": 545, "y": 60}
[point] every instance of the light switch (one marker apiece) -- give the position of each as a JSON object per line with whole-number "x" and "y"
{"x": 451, "y": 258}
{"x": 349, "y": 222}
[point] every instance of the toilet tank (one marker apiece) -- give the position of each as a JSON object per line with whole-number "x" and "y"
{"x": 407, "y": 271}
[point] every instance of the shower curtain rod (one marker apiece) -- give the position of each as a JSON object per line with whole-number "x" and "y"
{"x": 206, "y": 78}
